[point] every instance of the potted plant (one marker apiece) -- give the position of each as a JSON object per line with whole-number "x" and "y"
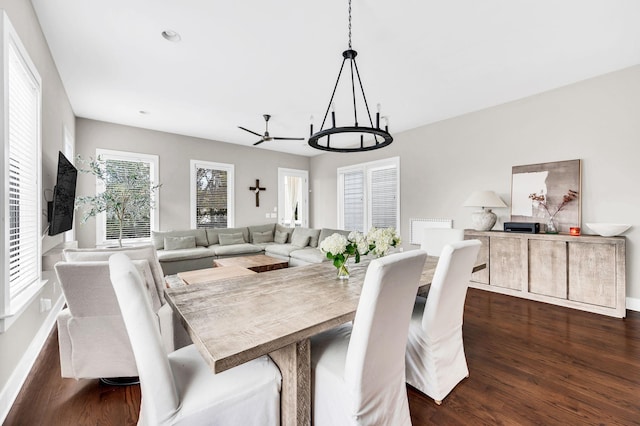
{"x": 126, "y": 196}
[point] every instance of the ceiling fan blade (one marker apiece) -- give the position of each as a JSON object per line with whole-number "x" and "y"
{"x": 250, "y": 131}
{"x": 289, "y": 139}
{"x": 259, "y": 142}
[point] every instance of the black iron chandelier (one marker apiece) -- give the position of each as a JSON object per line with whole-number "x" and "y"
{"x": 322, "y": 138}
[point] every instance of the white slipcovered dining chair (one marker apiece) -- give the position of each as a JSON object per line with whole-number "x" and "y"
{"x": 435, "y": 358}
{"x": 179, "y": 388}
{"x": 434, "y": 239}
{"x": 358, "y": 373}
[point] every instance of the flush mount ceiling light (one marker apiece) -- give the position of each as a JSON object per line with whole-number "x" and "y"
{"x": 171, "y": 35}
{"x": 381, "y": 138}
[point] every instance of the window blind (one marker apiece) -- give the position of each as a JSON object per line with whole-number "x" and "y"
{"x": 23, "y": 124}
{"x": 353, "y": 202}
{"x": 384, "y": 205}
{"x": 211, "y": 198}
{"x": 123, "y": 171}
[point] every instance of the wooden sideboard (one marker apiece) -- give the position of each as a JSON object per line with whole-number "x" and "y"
{"x": 583, "y": 272}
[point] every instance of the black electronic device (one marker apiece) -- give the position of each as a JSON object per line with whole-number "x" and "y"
{"x": 60, "y": 211}
{"x": 522, "y": 227}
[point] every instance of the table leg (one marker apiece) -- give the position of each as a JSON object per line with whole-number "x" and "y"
{"x": 294, "y": 362}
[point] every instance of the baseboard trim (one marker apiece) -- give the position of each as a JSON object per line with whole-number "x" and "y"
{"x": 10, "y": 392}
{"x": 633, "y": 304}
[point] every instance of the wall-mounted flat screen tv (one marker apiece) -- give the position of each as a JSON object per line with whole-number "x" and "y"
{"x": 64, "y": 197}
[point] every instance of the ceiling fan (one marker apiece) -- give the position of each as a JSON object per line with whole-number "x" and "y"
{"x": 266, "y": 137}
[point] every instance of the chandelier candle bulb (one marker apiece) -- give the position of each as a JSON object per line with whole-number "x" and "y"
{"x": 378, "y": 118}
{"x": 333, "y": 114}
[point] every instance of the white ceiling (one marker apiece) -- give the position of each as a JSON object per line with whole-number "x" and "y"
{"x": 423, "y": 60}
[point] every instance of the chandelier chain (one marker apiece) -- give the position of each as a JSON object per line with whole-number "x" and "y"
{"x": 349, "y": 24}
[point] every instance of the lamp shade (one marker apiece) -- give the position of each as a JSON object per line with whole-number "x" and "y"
{"x": 484, "y": 199}
{"x": 484, "y": 219}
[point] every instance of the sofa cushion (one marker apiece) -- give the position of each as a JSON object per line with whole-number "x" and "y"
{"x": 280, "y": 237}
{"x": 309, "y": 255}
{"x": 183, "y": 254}
{"x": 212, "y": 233}
{"x": 312, "y": 233}
{"x": 280, "y": 249}
{"x": 178, "y": 243}
{"x": 237, "y": 249}
{"x": 228, "y": 239}
{"x": 269, "y": 227}
{"x": 262, "y": 246}
{"x": 200, "y": 234}
{"x": 262, "y": 237}
{"x": 300, "y": 240}
{"x": 285, "y": 230}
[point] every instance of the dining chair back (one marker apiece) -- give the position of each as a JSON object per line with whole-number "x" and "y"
{"x": 179, "y": 388}
{"x": 359, "y": 373}
{"x": 434, "y": 239}
{"x": 435, "y": 358}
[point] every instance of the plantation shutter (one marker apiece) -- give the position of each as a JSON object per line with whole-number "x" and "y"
{"x": 23, "y": 122}
{"x": 383, "y": 195}
{"x": 353, "y": 202}
{"x": 139, "y": 227}
{"x": 211, "y": 198}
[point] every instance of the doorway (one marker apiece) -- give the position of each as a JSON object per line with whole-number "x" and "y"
{"x": 293, "y": 197}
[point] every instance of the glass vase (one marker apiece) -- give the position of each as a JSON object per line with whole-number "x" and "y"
{"x": 343, "y": 272}
{"x": 551, "y": 227}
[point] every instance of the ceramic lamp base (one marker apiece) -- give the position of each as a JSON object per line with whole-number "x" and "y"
{"x": 483, "y": 220}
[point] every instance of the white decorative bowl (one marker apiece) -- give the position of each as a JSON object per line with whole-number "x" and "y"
{"x": 608, "y": 229}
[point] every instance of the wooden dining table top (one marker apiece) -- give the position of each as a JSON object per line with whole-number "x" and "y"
{"x": 239, "y": 319}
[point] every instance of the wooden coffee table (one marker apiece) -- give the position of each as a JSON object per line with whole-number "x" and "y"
{"x": 257, "y": 263}
{"x": 213, "y": 274}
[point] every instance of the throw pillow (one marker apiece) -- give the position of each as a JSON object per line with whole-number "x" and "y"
{"x": 179, "y": 243}
{"x": 228, "y": 239}
{"x": 299, "y": 240}
{"x": 262, "y": 237}
{"x": 281, "y": 237}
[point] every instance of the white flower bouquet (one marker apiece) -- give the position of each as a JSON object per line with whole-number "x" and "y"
{"x": 381, "y": 240}
{"x": 339, "y": 249}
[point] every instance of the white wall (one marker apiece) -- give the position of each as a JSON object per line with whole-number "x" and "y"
{"x": 20, "y": 344}
{"x": 175, "y": 152}
{"x": 443, "y": 163}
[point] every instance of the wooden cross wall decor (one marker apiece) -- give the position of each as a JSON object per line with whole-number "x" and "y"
{"x": 257, "y": 190}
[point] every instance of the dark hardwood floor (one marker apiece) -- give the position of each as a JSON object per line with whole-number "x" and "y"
{"x": 530, "y": 364}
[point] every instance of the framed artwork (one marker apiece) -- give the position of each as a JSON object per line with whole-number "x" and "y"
{"x": 540, "y": 192}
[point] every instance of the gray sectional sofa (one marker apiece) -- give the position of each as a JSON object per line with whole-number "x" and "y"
{"x": 191, "y": 249}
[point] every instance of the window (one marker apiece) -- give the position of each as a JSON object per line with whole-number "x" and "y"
{"x": 293, "y": 197}
{"x": 369, "y": 195}
{"x": 212, "y": 190}
{"x": 21, "y": 165}
{"x": 133, "y": 229}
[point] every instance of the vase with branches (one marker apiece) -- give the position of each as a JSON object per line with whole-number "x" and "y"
{"x": 127, "y": 195}
{"x": 541, "y": 201}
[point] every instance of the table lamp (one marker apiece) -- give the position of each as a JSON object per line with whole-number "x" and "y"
{"x": 484, "y": 219}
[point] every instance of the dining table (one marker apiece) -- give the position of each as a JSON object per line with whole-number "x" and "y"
{"x": 274, "y": 313}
